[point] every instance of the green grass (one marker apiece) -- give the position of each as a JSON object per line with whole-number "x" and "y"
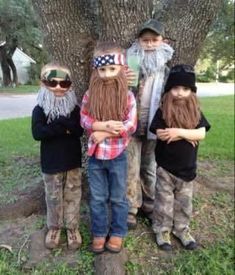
{"x": 20, "y": 89}
{"x": 219, "y": 141}
{"x": 16, "y": 139}
{"x": 18, "y": 155}
{"x": 216, "y": 260}
{"x": 18, "y": 152}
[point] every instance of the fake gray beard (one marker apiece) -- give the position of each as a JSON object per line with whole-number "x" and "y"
{"x": 54, "y": 106}
{"x": 151, "y": 61}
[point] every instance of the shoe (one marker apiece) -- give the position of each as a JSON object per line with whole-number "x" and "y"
{"x": 52, "y": 238}
{"x": 114, "y": 244}
{"x": 163, "y": 240}
{"x": 186, "y": 239}
{"x": 97, "y": 245}
{"x": 74, "y": 239}
{"x": 131, "y": 221}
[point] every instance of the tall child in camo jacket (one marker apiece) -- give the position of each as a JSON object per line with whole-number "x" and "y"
{"x": 179, "y": 125}
{"x": 108, "y": 114}
{"x": 56, "y": 123}
{"x": 153, "y": 54}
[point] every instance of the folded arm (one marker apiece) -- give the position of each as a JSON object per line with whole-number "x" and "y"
{"x": 174, "y": 134}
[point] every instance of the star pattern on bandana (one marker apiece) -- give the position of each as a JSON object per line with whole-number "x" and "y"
{"x": 108, "y": 59}
{"x": 104, "y": 60}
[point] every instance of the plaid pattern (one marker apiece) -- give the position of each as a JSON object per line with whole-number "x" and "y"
{"x": 110, "y": 148}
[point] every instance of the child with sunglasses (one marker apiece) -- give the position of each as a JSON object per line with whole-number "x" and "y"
{"x": 108, "y": 113}
{"x": 179, "y": 125}
{"x": 56, "y": 124}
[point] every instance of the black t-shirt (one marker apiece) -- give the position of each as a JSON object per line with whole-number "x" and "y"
{"x": 60, "y": 140}
{"x": 177, "y": 157}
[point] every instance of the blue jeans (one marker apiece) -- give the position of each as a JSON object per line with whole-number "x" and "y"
{"x": 107, "y": 182}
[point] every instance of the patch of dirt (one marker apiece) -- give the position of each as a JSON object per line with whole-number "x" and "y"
{"x": 213, "y": 218}
{"x": 216, "y": 175}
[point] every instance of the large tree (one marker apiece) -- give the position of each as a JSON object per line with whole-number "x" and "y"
{"x": 18, "y": 28}
{"x": 71, "y": 27}
{"x": 218, "y": 49}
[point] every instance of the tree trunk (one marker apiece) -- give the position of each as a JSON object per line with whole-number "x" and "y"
{"x": 72, "y": 27}
{"x": 7, "y": 64}
{"x": 6, "y": 73}
{"x": 187, "y": 24}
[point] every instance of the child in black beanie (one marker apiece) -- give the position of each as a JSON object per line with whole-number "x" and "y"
{"x": 179, "y": 125}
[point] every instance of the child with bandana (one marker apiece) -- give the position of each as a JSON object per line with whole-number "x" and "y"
{"x": 56, "y": 124}
{"x": 179, "y": 125}
{"x": 153, "y": 55}
{"x": 108, "y": 114}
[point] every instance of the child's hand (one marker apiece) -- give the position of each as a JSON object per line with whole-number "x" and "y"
{"x": 114, "y": 126}
{"x": 98, "y": 136}
{"x": 168, "y": 134}
{"x": 131, "y": 76}
{"x": 193, "y": 142}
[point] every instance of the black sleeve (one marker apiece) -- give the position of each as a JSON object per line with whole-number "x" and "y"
{"x": 72, "y": 123}
{"x": 204, "y": 123}
{"x": 41, "y": 130}
{"x": 157, "y": 122}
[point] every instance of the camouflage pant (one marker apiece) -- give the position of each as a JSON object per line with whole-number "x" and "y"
{"x": 173, "y": 203}
{"x": 141, "y": 176}
{"x": 63, "y": 196}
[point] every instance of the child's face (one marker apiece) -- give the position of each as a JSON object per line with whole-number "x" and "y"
{"x": 109, "y": 71}
{"x": 54, "y": 85}
{"x": 180, "y": 91}
{"x": 149, "y": 41}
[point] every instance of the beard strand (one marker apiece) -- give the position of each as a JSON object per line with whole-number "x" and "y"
{"x": 150, "y": 61}
{"x": 181, "y": 113}
{"x": 54, "y": 106}
{"x": 107, "y": 97}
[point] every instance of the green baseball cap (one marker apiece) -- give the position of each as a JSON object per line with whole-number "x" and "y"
{"x": 153, "y": 25}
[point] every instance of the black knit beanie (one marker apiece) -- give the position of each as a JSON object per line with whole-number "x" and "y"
{"x": 181, "y": 75}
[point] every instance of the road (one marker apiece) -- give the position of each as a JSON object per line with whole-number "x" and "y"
{"x": 16, "y": 105}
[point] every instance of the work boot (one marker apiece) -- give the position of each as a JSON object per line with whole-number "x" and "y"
{"x": 131, "y": 221}
{"x": 74, "y": 239}
{"x": 114, "y": 244}
{"x": 97, "y": 245}
{"x": 186, "y": 239}
{"x": 163, "y": 240}
{"x": 52, "y": 238}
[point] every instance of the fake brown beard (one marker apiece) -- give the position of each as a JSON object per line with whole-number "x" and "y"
{"x": 107, "y": 97}
{"x": 181, "y": 113}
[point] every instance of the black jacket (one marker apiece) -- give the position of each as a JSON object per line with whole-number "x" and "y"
{"x": 60, "y": 141}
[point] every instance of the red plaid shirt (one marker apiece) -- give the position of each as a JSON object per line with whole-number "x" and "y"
{"x": 111, "y": 147}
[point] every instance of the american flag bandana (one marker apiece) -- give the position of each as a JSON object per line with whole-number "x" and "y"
{"x": 108, "y": 59}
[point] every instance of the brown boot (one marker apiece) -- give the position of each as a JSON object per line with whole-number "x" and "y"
{"x": 98, "y": 244}
{"x": 131, "y": 221}
{"x": 74, "y": 239}
{"x": 52, "y": 238}
{"x": 114, "y": 244}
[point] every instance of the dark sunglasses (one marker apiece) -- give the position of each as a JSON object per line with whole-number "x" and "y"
{"x": 53, "y": 83}
{"x": 182, "y": 68}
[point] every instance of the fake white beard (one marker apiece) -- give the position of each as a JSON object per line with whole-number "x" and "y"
{"x": 54, "y": 106}
{"x": 151, "y": 61}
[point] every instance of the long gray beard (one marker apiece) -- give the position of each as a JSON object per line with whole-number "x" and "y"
{"x": 54, "y": 106}
{"x": 151, "y": 61}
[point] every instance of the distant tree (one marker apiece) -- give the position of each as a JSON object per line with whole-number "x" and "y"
{"x": 18, "y": 27}
{"x": 219, "y": 43}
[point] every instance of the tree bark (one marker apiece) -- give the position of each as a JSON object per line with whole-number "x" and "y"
{"x": 71, "y": 28}
{"x": 187, "y": 24}
{"x": 6, "y": 73}
{"x": 7, "y": 64}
